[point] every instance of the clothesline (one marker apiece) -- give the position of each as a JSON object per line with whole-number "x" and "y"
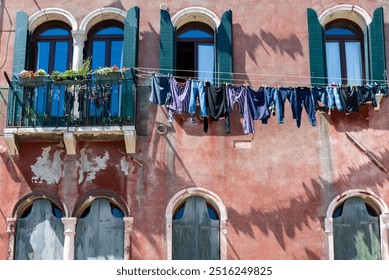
{"x": 255, "y": 104}
{"x": 150, "y": 71}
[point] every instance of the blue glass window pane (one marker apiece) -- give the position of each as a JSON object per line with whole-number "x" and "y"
{"x": 55, "y": 32}
{"x": 42, "y": 63}
{"x": 57, "y": 212}
{"x": 117, "y": 53}
{"x": 116, "y": 212}
{"x": 212, "y": 214}
{"x": 98, "y": 55}
{"x": 180, "y": 212}
{"x": 61, "y": 56}
{"x": 195, "y": 34}
{"x": 110, "y": 31}
{"x": 339, "y": 31}
{"x": 205, "y": 62}
{"x": 43, "y": 55}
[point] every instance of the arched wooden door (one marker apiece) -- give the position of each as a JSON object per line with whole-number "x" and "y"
{"x": 100, "y": 233}
{"x": 39, "y": 233}
{"x": 196, "y": 236}
{"x": 356, "y": 232}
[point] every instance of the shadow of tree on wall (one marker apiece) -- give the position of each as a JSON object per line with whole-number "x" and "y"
{"x": 285, "y": 222}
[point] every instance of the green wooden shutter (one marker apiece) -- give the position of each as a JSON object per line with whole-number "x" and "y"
{"x": 20, "y": 47}
{"x": 316, "y": 49}
{"x": 224, "y": 49}
{"x": 130, "y": 60}
{"x": 196, "y": 236}
{"x": 356, "y": 233}
{"x": 14, "y": 116}
{"x": 366, "y": 52}
{"x": 99, "y": 235}
{"x": 377, "y": 59}
{"x": 167, "y": 44}
{"x": 39, "y": 236}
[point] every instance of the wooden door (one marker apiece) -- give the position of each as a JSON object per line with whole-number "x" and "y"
{"x": 40, "y": 235}
{"x": 356, "y": 233}
{"x": 196, "y": 235}
{"x": 99, "y": 235}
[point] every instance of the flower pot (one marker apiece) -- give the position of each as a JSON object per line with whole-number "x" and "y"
{"x": 108, "y": 78}
{"x": 69, "y": 82}
{"x": 36, "y": 81}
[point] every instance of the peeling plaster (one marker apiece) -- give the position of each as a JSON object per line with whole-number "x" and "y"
{"x": 90, "y": 167}
{"x": 125, "y": 166}
{"x": 46, "y": 169}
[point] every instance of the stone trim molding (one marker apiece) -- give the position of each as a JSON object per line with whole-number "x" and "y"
{"x": 195, "y": 14}
{"x": 373, "y": 200}
{"x": 346, "y": 11}
{"x": 102, "y": 14}
{"x": 50, "y": 14}
{"x": 211, "y": 198}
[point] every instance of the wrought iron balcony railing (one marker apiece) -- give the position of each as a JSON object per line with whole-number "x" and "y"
{"x": 94, "y": 101}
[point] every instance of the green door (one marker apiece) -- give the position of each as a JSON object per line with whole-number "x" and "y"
{"x": 356, "y": 233}
{"x": 196, "y": 235}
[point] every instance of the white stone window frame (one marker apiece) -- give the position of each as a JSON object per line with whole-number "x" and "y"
{"x": 191, "y": 14}
{"x": 374, "y": 201}
{"x": 128, "y": 220}
{"x": 21, "y": 205}
{"x": 353, "y": 13}
{"x": 211, "y": 198}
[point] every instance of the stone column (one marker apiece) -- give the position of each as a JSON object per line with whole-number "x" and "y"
{"x": 70, "y": 232}
{"x": 11, "y": 225}
{"x": 128, "y": 226}
{"x": 79, "y": 37}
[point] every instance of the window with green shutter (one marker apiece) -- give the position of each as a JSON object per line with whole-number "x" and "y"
{"x": 174, "y": 43}
{"x": 345, "y": 53}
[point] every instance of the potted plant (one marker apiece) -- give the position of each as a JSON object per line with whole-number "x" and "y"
{"x": 29, "y": 78}
{"x": 111, "y": 75}
{"x": 73, "y": 77}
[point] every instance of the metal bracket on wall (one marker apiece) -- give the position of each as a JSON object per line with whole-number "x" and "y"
{"x": 366, "y": 152}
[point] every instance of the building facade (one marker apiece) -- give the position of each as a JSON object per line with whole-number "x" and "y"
{"x": 194, "y": 130}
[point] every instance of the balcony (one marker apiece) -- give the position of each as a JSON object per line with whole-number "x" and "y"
{"x": 92, "y": 109}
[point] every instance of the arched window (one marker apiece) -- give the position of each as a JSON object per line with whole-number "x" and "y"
{"x": 52, "y": 47}
{"x": 356, "y": 226}
{"x": 40, "y": 232}
{"x": 197, "y": 42}
{"x": 51, "y": 51}
{"x": 196, "y": 233}
{"x": 344, "y": 53}
{"x": 105, "y": 46}
{"x": 195, "y": 51}
{"x": 100, "y": 232}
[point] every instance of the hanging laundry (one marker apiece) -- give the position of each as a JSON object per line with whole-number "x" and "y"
{"x": 217, "y": 107}
{"x": 304, "y": 98}
{"x": 367, "y": 93}
{"x": 349, "y": 99}
{"x": 258, "y": 105}
{"x": 197, "y": 92}
{"x": 160, "y": 90}
{"x": 270, "y": 93}
{"x": 179, "y": 102}
{"x": 239, "y": 95}
{"x": 321, "y": 94}
{"x": 281, "y": 95}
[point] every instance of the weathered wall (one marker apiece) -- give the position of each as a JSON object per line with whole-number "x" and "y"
{"x": 276, "y": 188}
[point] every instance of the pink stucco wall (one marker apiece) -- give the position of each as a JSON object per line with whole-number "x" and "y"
{"x": 276, "y": 192}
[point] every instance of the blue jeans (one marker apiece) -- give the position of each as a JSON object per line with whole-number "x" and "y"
{"x": 306, "y": 99}
{"x": 280, "y": 97}
{"x": 197, "y": 91}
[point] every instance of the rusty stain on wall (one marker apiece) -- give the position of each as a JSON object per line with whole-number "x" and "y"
{"x": 46, "y": 169}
